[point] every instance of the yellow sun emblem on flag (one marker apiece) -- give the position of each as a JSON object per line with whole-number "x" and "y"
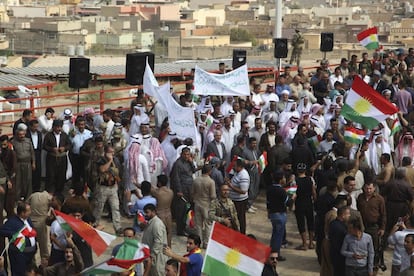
{"x": 362, "y": 105}
{"x": 232, "y": 257}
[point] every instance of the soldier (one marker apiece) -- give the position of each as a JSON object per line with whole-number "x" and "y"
{"x": 297, "y": 44}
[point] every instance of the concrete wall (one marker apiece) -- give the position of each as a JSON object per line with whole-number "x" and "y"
{"x": 115, "y": 40}
{"x": 41, "y": 11}
{"x": 59, "y": 26}
{"x": 144, "y": 39}
{"x": 169, "y": 12}
{"x": 95, "y": 27}
{"x": 240, "y": 15}
{"x": 209, "y": 17}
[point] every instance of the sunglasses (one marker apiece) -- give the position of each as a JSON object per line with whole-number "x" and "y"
{"x": 273, "y": 258}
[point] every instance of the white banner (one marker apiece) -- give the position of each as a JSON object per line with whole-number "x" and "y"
{"x": 234, "y": 83}
{"x": 181, "y": 119}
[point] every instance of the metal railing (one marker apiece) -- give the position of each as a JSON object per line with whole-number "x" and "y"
{"x": 100, "y": 99}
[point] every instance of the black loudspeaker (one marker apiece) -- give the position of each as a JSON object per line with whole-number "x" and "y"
{"x": 79, "y": 75}
{"x": 135, "y": 67}
{"x": 281, "y": 47}
{"x": 327, "y": 42}
{"x": 239, "y": 58}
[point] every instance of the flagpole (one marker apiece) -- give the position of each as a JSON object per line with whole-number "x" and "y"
{"x": 5, "y": 248}
{"x": 93, "y": 266}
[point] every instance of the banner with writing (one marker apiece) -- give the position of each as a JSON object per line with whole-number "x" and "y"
{"x": 234, "y": 83}
{"x": 181, "y": 119}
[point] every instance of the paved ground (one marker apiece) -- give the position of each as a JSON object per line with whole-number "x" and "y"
{"x": 302, "y": 263}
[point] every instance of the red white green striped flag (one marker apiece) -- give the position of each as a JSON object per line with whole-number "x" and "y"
{"x": 262, "y": 161}
{"x": 354, "y": 135}
{"x": 232, "y": 163}
{"x": 230, "y": 253}
{"x": 369, "y": 38}
{"x": 314, "y": 142}
{"x": 291, "y": 189}
{"x": 129, "y": 254}
{"x": 396, "y": 127}
{"x": 98, "y": 240}
{"x": 366, "y": 106}
{"x": 189, "y": 221}
{"x": 19, "y": 238}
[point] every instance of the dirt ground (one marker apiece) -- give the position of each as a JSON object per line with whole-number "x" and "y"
{"x": 302, "y": 263}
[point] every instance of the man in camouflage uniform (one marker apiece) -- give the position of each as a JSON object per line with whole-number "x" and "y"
{"x": 297, "y": 44}
{"x": 222, "y": 209}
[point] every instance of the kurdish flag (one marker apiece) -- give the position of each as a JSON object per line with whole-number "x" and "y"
{"x": 129, "y": 254}
{"x": 314, "y": 142}
{"x": 189, "y": 220}
{"x": 396, "y": 127}
{"x": 291, "y": 190}
{"x": 19, "y": 238}
{"x": 262, "y": 161}
{"x": 98, "y": 240}
{"x": 369, "y": 38}
{"x": 230, "y": 253}
{"x": 354, "y": 135}
{"x": 366, "y": 106}
{"x": 232, "y": 163}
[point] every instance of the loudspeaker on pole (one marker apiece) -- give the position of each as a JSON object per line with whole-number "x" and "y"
{"x": 327, "y": 42}
{"x": 135, "y": 67}
{"x": 79, "y": 75}
{"x": 239, "y": 58}
{"x": 281, "y": 47}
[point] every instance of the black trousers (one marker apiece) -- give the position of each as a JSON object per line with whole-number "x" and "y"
{"x": 20, "y": 261}
{"x": 56, "y": 173}
{"x": 78, "y": 167}
{"x": 37, "y": 173}
{"x": 180, "y": 207}
{"x": 241, "y": 209}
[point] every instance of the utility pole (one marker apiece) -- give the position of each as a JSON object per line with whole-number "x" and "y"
{"x": 278, "y": 29}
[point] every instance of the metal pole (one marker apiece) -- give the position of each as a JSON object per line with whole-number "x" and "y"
{"x": 278, "y": 28}
{"x": 77, "y": 106}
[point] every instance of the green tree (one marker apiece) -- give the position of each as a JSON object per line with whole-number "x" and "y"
{"x": 240, "y": 35}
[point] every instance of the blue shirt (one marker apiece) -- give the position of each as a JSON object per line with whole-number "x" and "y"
{"x": 281, "y": 87}
{"x": 79, "y": 139}
{"x": 363, "y": 246}
{"x": 195, "y": 264}
{"x": 139, "y": 207}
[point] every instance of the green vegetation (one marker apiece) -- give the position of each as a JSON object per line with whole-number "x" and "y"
{"x": 242, "y": 35}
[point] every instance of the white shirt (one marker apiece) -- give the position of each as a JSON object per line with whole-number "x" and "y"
{"x": 109, "y": 127}
{"x": 79, "y": 139}
{"x": 333, "y": 79}
{"x": 219, "y": 149}
{"x": 35, "y": 139}
{"x": 256, "y": 98}
{"x": 326, "y": 146}
{"x": 227, "y": 135}
{"x": 60, "y": 234}
{"x": 45, "y": 125}
{"x": 271, "y": 138}
{"x": 57, "y": 136}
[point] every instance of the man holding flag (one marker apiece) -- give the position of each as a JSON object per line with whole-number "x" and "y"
{"x": 191, "y": 262}
{"x": 22, "y": 239}
{"x": 72, "y": 265}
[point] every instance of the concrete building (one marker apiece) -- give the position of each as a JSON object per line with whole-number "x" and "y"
{"x": 207, "y": 46}
{"x": 404, "y": 31}
{"x": 38, "y": 11}
{"x": 214, "y": 16}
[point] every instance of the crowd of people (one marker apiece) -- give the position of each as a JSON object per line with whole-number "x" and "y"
{"x": 351, "y": 201}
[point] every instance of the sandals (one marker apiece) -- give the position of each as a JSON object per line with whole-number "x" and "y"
{"x": 300, "y": 247}
{"x": 311, "y": 245}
